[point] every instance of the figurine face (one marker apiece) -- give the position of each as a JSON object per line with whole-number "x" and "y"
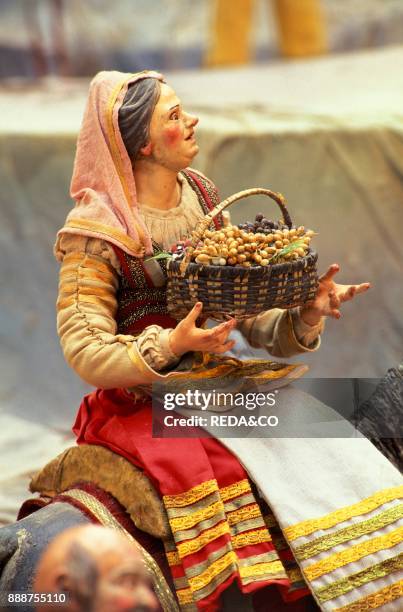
{"x": 98, "y": 570}
{"x": 124, "y": 584}
{"x": 172, "y": 133}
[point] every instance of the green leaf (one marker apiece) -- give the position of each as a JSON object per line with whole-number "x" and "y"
{"x": 159, "y": 256}
{"x": 287, "y": 249}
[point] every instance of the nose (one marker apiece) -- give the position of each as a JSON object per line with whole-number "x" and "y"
{"x": 191, "y": 120}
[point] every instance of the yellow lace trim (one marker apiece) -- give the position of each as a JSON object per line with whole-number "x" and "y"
{"x": 374, "y": 572}
{"x": 353, "y": 553}
{"x": 343, "y": 514}
{"x": 274, "y": 567}
{"x": 375, "y": 600}
{"x": 198, "y": 582}
{"x": 185, "y": 596}
{"x": 234, "y": 490}
{"x": 186, "y": 522}
{"x": 191, "y": 546}
{"x": 250, "y": 538}
{"x": 173, "y": 558}
{"x": 244, "y": 514}
{"x": 349, "y": 533}
{"x": 191, "y": 496}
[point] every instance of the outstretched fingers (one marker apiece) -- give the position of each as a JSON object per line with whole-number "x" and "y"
{"x": 353, "y": 290}
{"x": 330, "y": 273}
{"x": 362, "y": 287}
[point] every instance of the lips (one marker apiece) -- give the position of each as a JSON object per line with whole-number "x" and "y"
{"x": 191, "y": 135}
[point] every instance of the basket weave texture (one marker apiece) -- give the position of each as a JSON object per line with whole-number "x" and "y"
{"x": 237, "y": 291}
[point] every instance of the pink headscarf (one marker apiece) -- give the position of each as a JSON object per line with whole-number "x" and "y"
{"x": 103, "y": 182}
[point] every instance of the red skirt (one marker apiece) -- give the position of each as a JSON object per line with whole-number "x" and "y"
{"x": 219, "y": 531}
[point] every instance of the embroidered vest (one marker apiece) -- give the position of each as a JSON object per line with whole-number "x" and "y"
{"x": 140, "y": 301}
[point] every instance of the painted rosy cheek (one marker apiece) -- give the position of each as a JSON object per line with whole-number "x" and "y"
{"x": 172, "y": 135}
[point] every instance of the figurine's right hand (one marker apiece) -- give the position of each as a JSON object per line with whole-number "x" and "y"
{"x": 187, "y": 337}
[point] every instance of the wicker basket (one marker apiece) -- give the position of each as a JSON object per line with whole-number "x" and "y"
{"x": 236, "y": 291}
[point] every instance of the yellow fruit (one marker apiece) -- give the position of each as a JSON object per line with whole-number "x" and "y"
{"x": 203, "y": 259}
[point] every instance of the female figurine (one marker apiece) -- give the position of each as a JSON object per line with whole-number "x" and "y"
{"x": 135, "y": 196}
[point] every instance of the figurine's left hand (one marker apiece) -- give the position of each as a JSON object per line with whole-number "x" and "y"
{"x": 329, "y": 297}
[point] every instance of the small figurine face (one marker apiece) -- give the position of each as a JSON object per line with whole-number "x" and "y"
{"x": 124, "y": 584}
{"x": 172, "y": 133}
{"x": 98, "y": 570}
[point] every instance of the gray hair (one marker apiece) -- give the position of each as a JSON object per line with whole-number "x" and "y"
{"x": 136, "y": 112}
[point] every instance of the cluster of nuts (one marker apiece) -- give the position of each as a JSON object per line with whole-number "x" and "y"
{"x": 234, "y": 245}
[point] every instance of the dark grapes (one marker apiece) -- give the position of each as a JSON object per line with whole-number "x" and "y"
{"x": 261, "y": 225}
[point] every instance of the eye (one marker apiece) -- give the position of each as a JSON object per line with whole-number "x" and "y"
{"x": 174, "y": 115}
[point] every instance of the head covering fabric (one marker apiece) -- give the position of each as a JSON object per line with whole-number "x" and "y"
{"x": 103, "y": 183}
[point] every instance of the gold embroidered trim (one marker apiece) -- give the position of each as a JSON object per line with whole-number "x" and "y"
{"x": 107, "y": 519}
{"x": 192, "y": 571}
{"x": 191, "y": 496}
{"x": 107, "y": 231}
{"x": 203, "y": 503}
{"x": 244, "y": 514}
{"x": 173, "y": 558}
{"x": 343, "y": 514}
{"x": 267, "y": 557}
{"x": 191, "y": 534}
{"x": 353, "y": 553}
{"x": 274, "y": 567}
{"x": 191, "y": 546}
{"x": 184, "y": 596}
{"x": 374, "y": 572}
{"x": 181, "y": 583}
{"x": 234, "y": 490}
{"x": 186, "y": 522}
{"x": 375, "y": 600}
{"x": 250, "y": 538}
{"x": 244, "y": 526}
{"x": 243, "y": 500}
{"x": 200, "y": 581}
{"x": 349, "y": 533}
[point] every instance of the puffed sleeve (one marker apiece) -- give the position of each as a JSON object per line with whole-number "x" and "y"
{"x": 86, "y": 309}
{"x": 281, "y": 332}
